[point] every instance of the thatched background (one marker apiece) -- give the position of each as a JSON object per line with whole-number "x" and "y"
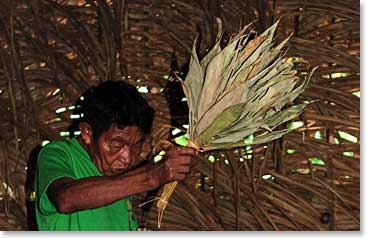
{"x": 51, "y": 51}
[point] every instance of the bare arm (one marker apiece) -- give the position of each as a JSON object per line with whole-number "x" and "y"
{"x": 69, "y": 195}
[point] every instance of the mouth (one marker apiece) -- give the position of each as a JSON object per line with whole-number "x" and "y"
{"x": 117, "y": 168}
{"x": 112, "y": 172}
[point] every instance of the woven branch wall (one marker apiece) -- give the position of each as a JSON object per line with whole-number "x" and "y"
{"x": 52, "y": 50}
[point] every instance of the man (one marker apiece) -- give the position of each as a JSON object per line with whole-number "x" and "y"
{"x": 85, "y": 183}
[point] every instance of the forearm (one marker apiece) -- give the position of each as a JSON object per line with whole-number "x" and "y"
{"x": 145, "y": 167}
{"x": 94, "y": 192}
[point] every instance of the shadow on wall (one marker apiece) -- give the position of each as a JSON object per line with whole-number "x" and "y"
{"x": 30, "y": 190}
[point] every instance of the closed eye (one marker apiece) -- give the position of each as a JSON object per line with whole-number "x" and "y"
{"x": 138, "y": 145}
{"x": 117, "y": 144}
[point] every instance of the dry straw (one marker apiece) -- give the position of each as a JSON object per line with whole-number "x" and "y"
{"x": 239, "y": 95}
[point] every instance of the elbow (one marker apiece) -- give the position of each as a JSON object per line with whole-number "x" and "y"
{"x": 63, "y": 204}
{"x": 62, "y": 209}
{"x": 62, "y": 195}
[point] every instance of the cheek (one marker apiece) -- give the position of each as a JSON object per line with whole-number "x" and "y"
{"x": 106, "y": 148}
{"x": 145, "y": 150}
{"x": 137, "y": 151}
{"x": 136, "y": 157}
{"x": 107, "y": 153}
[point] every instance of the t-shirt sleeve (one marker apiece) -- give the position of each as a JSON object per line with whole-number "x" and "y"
{"x": 53, "y": 163}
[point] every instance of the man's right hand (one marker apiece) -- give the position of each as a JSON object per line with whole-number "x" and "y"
{"x": 177, "y": 164}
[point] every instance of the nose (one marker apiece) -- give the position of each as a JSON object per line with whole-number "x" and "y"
{"x": 126, "y": 155}
{"x": 124, "y": 159}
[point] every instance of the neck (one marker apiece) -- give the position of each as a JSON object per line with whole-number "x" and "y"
{"x": 92, "y": 156}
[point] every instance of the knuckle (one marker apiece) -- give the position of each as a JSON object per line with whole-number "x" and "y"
{"x": 175, "y": 149}
{"x": 169, "y": 163}
{"x": 170, "y": 174}
{"x": 170, "y": 152}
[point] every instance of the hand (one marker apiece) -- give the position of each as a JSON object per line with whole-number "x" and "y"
{"x": 177, "y": 164}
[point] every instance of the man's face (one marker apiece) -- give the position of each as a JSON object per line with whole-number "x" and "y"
{"x": 117, "y": 150}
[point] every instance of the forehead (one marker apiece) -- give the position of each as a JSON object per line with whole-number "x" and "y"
{"x": 128, "y": 133}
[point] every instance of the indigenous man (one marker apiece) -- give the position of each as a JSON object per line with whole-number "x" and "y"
{"x": 85, "y": 183}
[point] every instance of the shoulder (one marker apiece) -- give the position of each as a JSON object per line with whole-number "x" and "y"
{"x": 58, "y": 145}
{"x": 60, "y": 149}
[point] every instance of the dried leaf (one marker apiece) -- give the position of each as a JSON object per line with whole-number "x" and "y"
{"x": 230, "y": 99}
{"x": 215, "y": 50}
{"x": 220, "y": 122}
{"x": 213, "y": 76}
{"x": 242, "y": 92}
{"x": 235, "y": 137}
{"x": 284, "y": 116}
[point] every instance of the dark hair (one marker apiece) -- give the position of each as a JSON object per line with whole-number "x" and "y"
{"x": 114, "y": 102}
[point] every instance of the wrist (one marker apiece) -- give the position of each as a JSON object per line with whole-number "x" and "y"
{"x": 155, "y": 176}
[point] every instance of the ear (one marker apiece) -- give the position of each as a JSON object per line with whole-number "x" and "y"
{"x": 86, "y": 132}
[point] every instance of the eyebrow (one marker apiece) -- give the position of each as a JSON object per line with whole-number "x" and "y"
{"x": 122, "y": 140}
{"x": 141, "y": 140}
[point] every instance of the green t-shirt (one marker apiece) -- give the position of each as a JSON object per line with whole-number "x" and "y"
{"x": 69, "y": 159}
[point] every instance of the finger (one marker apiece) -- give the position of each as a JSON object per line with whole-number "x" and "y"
{"x": 178, "y": 150}
{"x": 179, "y": 160}
{"x": 179, "y": 177}
{"x": 187, "y": 151}
{"x": 194, "y": 162}
{"x": 184, "y": 160}
{"x": 183, "y": 169}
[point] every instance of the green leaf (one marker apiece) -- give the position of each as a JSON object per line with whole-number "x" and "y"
{"x": 285, "y": 115}
{"x": 270, "y": 136}
{"x": 265, "y": 138}
{"x": 235, "y": 137}
{"x": 220, "y": 122}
